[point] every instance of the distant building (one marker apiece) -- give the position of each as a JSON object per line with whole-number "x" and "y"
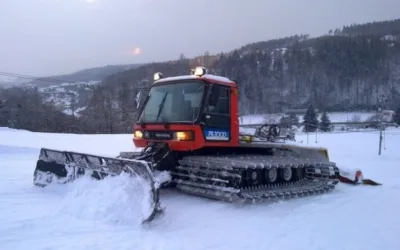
{"x": 387, "y": 115}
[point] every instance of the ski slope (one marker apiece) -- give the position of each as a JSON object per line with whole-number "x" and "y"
{"x": 104, "y": 215}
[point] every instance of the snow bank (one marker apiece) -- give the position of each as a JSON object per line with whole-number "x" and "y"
{"x": 107, "y": 145}
{"x": 6, "y": 129}
{"x": 7, "y": 150}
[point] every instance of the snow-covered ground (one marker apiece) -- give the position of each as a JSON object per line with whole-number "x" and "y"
{"x": 101, "y": 215}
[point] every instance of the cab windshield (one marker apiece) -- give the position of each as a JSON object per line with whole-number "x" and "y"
{"x": 175, "y": 102}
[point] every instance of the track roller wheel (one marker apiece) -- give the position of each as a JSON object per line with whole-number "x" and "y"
{"x": 286, "y": 174}
{"x": 271, "y": 175}
{"x": 254, "y": 177}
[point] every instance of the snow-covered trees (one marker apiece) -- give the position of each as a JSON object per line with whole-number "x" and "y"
{"x": 396, "y": 117}
{"x": 325, "y": 122}
{"x": 310, "y": 120}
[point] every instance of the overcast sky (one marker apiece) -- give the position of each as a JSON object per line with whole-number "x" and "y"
{"x": 48, "y": 37}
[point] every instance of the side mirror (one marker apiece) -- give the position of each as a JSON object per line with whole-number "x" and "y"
{"x": 141, "y": 96}
{"x": 137, "y": 99}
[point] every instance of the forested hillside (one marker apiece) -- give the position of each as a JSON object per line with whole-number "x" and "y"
{"x": 347, "y": 69}
{"x": 85, "y": 75}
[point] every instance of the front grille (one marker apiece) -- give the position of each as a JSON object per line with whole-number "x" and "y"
{"x": 158, "y": 135}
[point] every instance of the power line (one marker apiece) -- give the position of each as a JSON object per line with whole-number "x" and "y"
{"x": 29, "y": 77}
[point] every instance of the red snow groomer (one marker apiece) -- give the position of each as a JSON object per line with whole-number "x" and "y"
{"x": 188, "y": 127}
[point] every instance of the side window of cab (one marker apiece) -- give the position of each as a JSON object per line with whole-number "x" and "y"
{"x": 218, "y": 102}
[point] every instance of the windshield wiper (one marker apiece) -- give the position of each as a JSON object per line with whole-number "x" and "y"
{"x": 161, "y": 109}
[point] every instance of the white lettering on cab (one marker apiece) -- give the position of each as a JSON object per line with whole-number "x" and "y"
{"x": 217, "y": 135}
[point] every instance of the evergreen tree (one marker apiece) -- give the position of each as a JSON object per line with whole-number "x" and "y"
{"x": 325, "y": 122}
{"x": 310, "y": 120}
{"x": 396, "y": 117}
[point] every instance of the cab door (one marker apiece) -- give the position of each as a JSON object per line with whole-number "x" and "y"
{"x": 216, "y": 116}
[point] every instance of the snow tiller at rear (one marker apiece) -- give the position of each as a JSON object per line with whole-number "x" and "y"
{"x": 188, "y": 128}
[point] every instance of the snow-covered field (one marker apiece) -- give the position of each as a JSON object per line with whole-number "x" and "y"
{"x": 100, "y": 215}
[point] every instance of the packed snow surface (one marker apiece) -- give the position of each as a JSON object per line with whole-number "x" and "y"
{"x": 90, "y": 214}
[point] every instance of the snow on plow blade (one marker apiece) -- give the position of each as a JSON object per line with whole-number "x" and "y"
{"x": 54, "y": 166}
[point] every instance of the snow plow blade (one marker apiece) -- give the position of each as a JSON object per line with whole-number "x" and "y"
{"x": 54, "y": 166}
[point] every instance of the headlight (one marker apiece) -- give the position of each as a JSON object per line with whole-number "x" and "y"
{"x": 184, "y": 136}
{"x": 138, "y": 134}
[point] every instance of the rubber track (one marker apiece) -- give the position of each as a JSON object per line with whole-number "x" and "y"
{"x": 217, "y": 177}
